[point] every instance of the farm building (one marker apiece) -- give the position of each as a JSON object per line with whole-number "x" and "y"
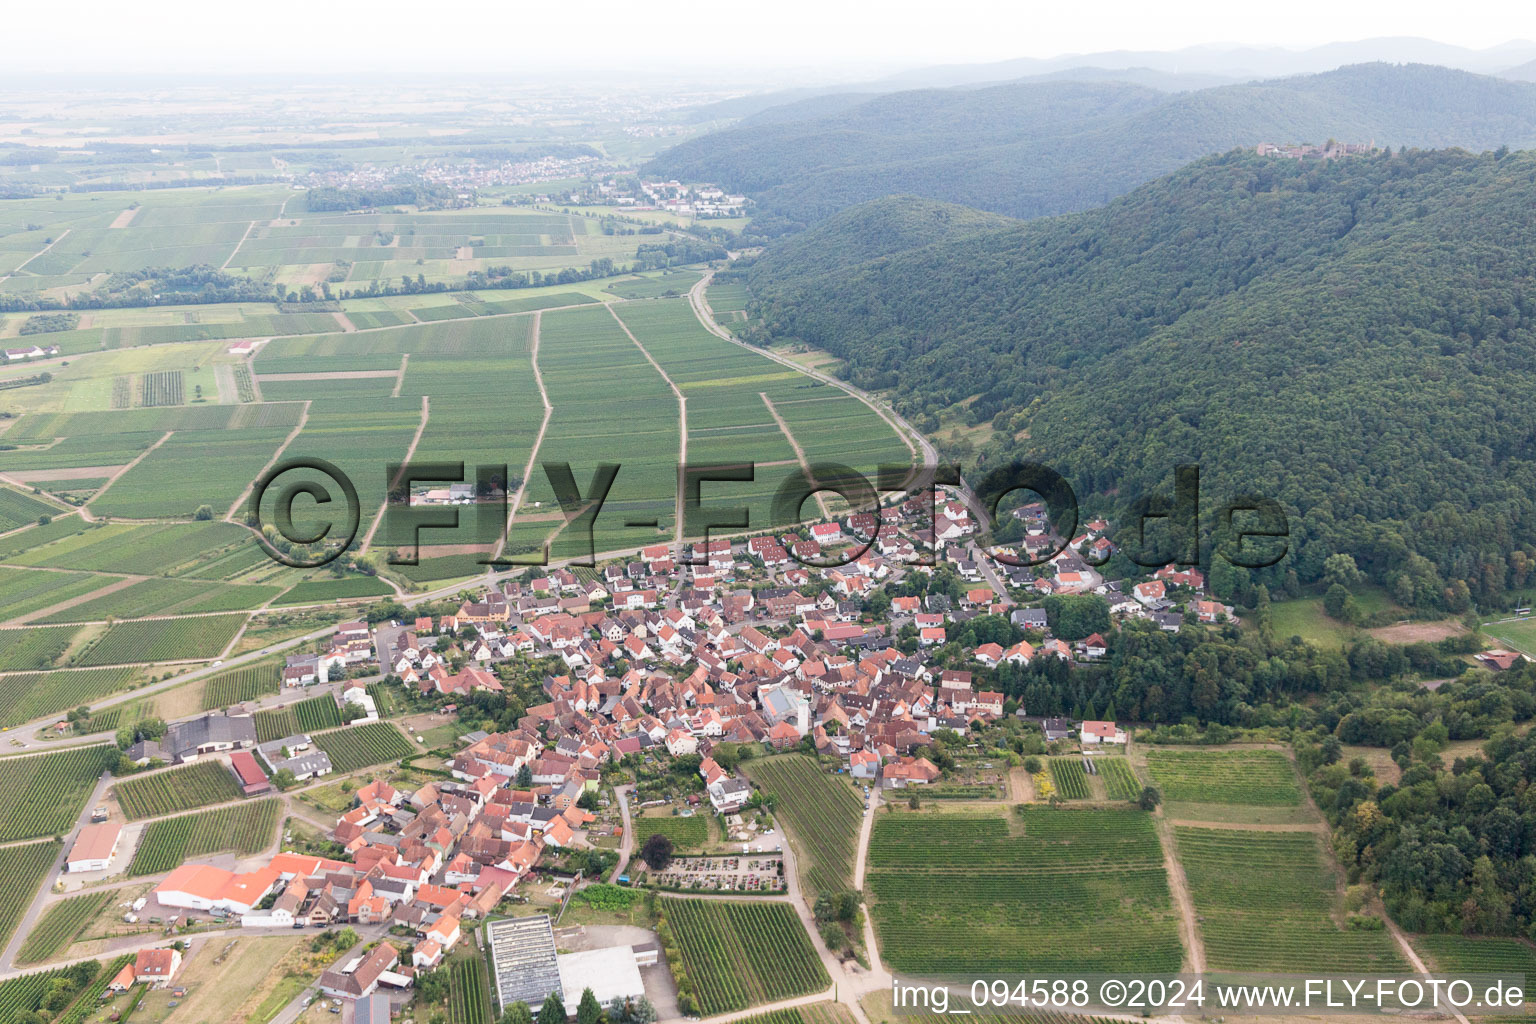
{"x": 249, "y": 774}
{"x": 610, "y": 973}
{"x": 1101, "y": 732}
{"x": 94, "y": 847}
{"x": 186, "y": 741}
{"x": 523, "y": 955}
{"x": 205, "y": 887}
{"x": 360, "y": 977}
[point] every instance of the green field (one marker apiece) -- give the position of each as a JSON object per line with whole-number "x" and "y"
{"x": 177, "y": 789}
{"x": 1514, "y": 634}
{"x": 1070, "y": 779}
{"x": 1467, "y": 954}
{"x": 18, "y": 509}
{"x": 822, "y": 813}
{"x": 304, "y": 716}
{"x": 1119, "y": 778}
{"x": 42, "y": 794}
{"x": 321, "y": 591}
{"x": 241, "y": 684}
{"x": 962, "y": 893}
{"x": 469, "y": 990}
{"x": 28, "y": 649}
{"x": 24, "y": 994}
{"x": 24, "y": 592}
{"x": 23, "y": 868}
{"x": 739, "y": 954}
{"x": 1262, "y": 778}
{"x": 1286, "y": 924}
{"x": 197, "y": 638}
{"x": 27, "y": 696}
{"x": 360, "y": 746}
{"x": 60, "y": 924}
{"x": 244, "y": 828}
{"x": 166, "y": 596}
{"x": 687, "y": 833}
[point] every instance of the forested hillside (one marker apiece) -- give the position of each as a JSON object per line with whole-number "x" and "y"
{"x": 1356, "y": 339}
{"x": 1041, "y": 148}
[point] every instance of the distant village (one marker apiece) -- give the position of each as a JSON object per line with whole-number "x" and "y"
{"x": 1330, "y": 150}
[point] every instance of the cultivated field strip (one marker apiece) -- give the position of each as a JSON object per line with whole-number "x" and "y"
{"x": 168, "y": 842}
{"x": 737, "y": 954}
{"x": 964, "y": 893}
{"x": 1262, "y": 778}
{"x": 177, "y": 789}
{"x": 42, "y": 794}
{"x": 1268, "y": 901}
{"x": 822, "y": 812}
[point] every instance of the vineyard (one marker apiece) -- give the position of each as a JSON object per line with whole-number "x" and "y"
{"x": 41, "y": 794}
{"x": 17, "y": 509}
{"x": 1119, "y": 779}
{"x": 23, "y": 868}
{"x": 190, "y": 639}
{"x": 179, "y": 789}
{"x": 362, "y": 745}
{"x": 23, "y": 995}
{"x": 1070, "y": 779}
{"x": 241, "y": 684}
{"x": 469, "y": 992}
{"x": 89, "y": 1001}
{"x": 163, "y": 388}
{"x": 245, "y": 385}
{"x": 1284, "y": 924}
{"x": 1462, "y": 954}
{"x": 821, "y": 812}
{"x": 735, "y": 955}
{"x": 1261, "y": 778}
{"x": 244, "y": 828}
{"x": 28, "y": 649}
{"x": 28, "y": 696}
{"x": 60, "y": 924}
{"x": 690, "y": 833}
{"x": 304, "y": 717}
{"x": 960, "y": 893}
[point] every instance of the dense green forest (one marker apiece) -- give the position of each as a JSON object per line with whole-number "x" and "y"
{"x": 1032, "y": 149}
{"x": 1354, "y": 339}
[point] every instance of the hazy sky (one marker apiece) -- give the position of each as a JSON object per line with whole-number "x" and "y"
{"x": 835, "y": 36}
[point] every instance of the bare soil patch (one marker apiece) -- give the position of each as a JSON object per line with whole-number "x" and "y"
{"x": 1417, "y": 632}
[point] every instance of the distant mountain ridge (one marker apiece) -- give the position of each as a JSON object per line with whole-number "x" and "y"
{"x": 1042, "y": 148}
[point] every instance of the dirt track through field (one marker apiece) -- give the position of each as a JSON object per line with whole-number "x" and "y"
{"x": 426, "y": 414}
{"x": 538, "y": 440}
{"x": 682, "y": 416}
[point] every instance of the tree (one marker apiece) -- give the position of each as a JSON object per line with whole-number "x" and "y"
{"x": 524, "y": 777}
{"x": 657, "y": 852}
{"x": 1149, "y": 798}
{"x": 553, "y": 1010}
{"x": 517, "y": 1013}
{"x": 1341, "y": 569}
{"x": 203, "y": 513}
{"x": 589, "y": 1010}
{"x": 587, "y": 801}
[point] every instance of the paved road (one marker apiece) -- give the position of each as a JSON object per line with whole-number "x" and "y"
{"x": 627, "y": 842}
